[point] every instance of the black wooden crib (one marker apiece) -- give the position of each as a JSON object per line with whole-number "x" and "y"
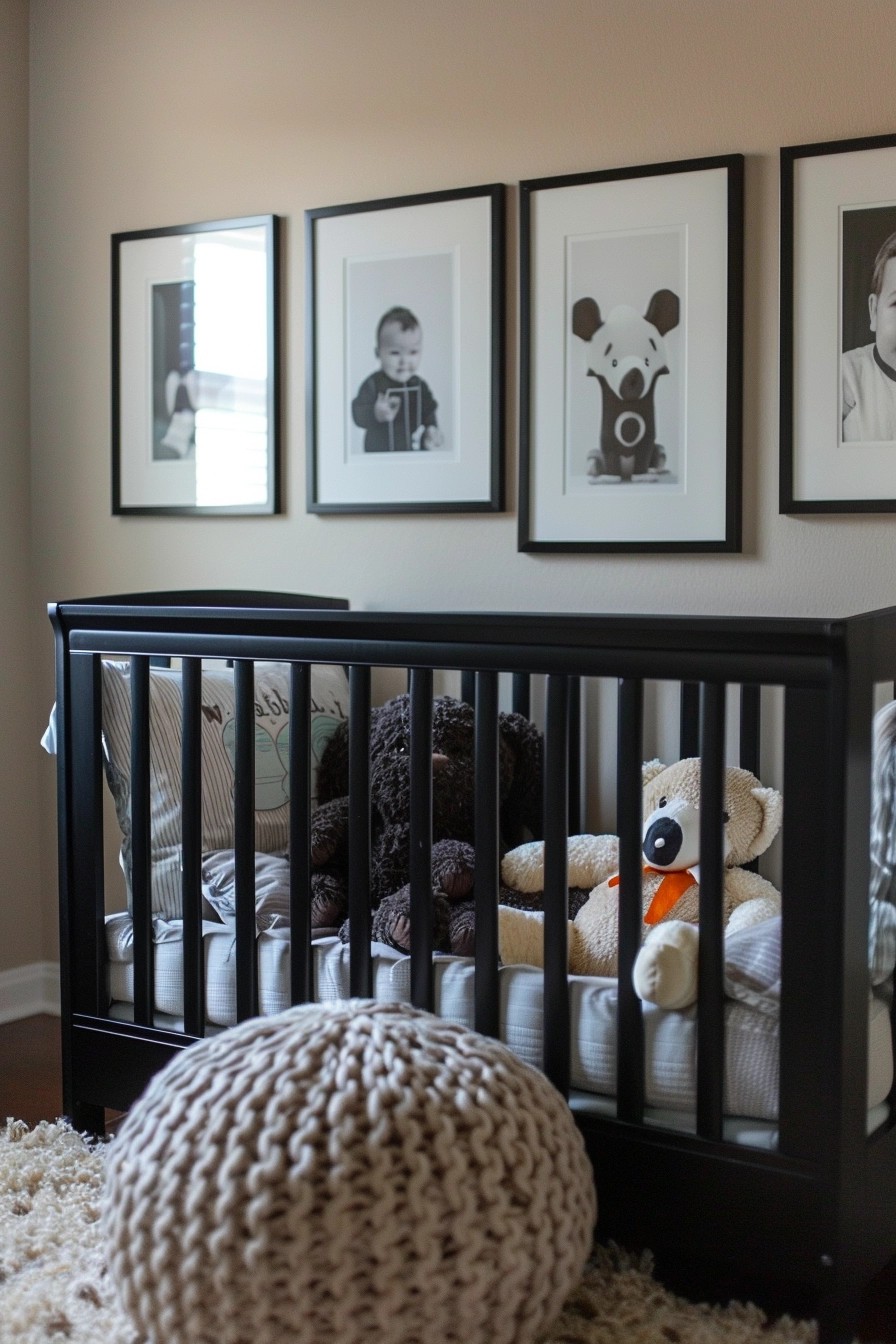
{"x": 815, "y": 1205}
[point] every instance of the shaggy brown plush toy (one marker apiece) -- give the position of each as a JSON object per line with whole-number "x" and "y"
{"x": 520, "y": 795}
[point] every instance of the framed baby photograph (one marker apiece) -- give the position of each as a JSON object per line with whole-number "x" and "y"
{"x": 838, "y": 327}
{"x": 405, "y": 354}
{"x": 195, "y": 387}
{"x": 631, "y": 352}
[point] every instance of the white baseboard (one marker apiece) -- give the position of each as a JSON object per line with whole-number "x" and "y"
{"x": 28, "y": 990}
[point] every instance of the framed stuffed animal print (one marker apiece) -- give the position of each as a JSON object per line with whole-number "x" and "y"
{"x": 631, "y": 358}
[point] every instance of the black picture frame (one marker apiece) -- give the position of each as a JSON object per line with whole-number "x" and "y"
{"x": 837, "y": 391}
{"x": 429, "y": 271}
{"x": 638, "y": 234}
{"x": 195, "y": 368}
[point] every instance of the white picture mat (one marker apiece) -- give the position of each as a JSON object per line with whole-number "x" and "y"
{"x": 143, "y": 263}
{"x": 823, "y": 467}
{"x": 696, "y": 203}
{"x": 463, "y": 470}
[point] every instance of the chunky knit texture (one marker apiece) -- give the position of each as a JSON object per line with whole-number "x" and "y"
{"x": 352, "y": 1172}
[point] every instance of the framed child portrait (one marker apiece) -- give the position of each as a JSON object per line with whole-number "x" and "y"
{"x": 631, "y": 344}
{"x": 405, "y": 354}
{"x": 838, "y": 327}
{"x": 195, "y": 386}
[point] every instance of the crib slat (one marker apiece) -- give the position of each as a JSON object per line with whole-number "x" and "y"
{"x": 689, "y": 720}
{"x": 521, "y": 696}
{"x": 710, "y": 1002}
{"x": 487, "y": 861}
{"x": 244, "y": 839}
{"x": 749, "y": 740}
{"x": 141, "y": 855}
{"x": 360, "y": 963}
{"x": 83, "y": 910}
{"x": 301, "y": 986}
{"x": 468, "y": 687}
{"x": 556, "y": 893}
{"x": 749, "y": 728}
{"x": 422, "y": 993}
{"x": 805, "y": 1102}
{"x": 629, "y": 793}
{"x": 191, "y": 845}
{"x": 576, "y": 801}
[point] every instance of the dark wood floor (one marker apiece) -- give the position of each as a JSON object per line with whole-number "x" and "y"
{"x": 30, "y": 1070}
{"x": 30, "y": 1091}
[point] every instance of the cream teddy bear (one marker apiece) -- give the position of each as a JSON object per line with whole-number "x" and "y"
{"x": 665, "y": 971}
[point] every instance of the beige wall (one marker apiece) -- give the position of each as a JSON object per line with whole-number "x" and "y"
{"x": 20, "y": 891}
{"x": 167, "y": 111}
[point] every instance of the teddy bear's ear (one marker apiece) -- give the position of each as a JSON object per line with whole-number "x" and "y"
{"x": 650, "y": 770}
{"x": 586, "y": 318}
{"x": 772, "y": 805}
{"x": 662, "y": 311}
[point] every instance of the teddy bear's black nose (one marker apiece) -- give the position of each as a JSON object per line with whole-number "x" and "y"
{"x": 662, "y": 841}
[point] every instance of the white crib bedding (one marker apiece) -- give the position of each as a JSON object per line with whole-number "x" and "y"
{"x": 751, "y": 1064}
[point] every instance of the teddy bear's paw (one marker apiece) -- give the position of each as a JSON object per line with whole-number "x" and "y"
{"x": 391, "y": 922}
{"x": 462, "y": 931}
{"x": 452, "y": 868}
{"x": 522, "y": 868}
{"x": 665, "y": 969}
{"x": 590, "y": 859}
{"x": 400, "y": 933}
{"x": 328, "y": 901}
{"x": 595, "y": 466}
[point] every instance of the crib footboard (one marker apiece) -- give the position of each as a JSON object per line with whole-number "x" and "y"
{"x": 801, "y": 1185}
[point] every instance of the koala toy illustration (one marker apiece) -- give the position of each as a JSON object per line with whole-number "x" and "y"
{"x": 626, "y": 354}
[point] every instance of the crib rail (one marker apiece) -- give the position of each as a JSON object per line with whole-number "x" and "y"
{"x": 825, "y": 672}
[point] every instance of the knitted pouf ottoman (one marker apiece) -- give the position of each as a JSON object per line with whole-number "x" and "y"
{"x": 347, "y": 1173}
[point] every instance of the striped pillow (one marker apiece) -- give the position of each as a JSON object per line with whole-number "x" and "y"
{"x": 329, "y": 704}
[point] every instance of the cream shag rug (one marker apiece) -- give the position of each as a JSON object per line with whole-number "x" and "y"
{"x": 54, "y": 1285}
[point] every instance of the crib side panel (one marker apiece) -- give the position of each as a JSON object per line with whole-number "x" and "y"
{"x": 603, "y": 687}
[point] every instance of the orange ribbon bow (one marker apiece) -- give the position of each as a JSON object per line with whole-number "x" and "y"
{"x": 667, "y": 894}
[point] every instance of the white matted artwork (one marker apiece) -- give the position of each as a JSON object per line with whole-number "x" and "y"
{"x": 838, "y": 327}
{"x": 195, "y": 395}
{"x": 631, "y": 355}
{"x": 405, "y": 354}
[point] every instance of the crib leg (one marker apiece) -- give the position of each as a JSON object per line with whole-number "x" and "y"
{"x": 87, "y": 1119}
{"x": 839, "y": 1310}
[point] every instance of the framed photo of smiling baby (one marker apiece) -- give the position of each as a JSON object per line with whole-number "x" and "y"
{"x": 838, "y": 327}
{"x": 405, "y": 353}
{"x": 631, "y": 310}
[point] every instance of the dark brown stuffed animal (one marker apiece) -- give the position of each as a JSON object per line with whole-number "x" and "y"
{"x": 520, "y": 798}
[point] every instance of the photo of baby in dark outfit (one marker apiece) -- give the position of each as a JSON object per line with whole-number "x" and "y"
{"x": 394, "y": 406}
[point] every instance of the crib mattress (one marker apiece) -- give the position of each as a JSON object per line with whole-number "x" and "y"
{"x": 751, "y": 1057}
